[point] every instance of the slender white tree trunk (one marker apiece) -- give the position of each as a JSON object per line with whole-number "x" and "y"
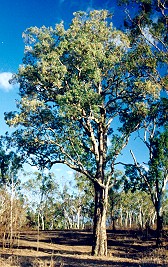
{"x": 78, "y": 217}
{"x": 38, "y": 230}
{"x": 42, "y": 222}
{"x": 121, "y": 216}
{"x": 11, "y": 212}
{"x": 126, "y": 220}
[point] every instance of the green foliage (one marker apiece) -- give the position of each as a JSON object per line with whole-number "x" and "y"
{"x": 85, "y": 195}
{"x": 134, "y": 182}
{"x": 157, "y": 144}
{"x": 158, "y": 164}
{"x": 73, "y": 83}
{"x": 148, "y": 22}
{"x": 152, "y": 176}
{"x": 42, "y": 192}
{"x": 10, "y": 163}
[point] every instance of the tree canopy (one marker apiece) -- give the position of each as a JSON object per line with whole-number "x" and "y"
{"x": 83, "y": 90}
{"x": 72, "y": 81}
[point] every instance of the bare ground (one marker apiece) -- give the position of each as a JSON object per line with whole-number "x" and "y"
{"x": 73, "y": 249}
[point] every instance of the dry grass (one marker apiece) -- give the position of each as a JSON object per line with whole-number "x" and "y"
{"x": 72, "y": 249}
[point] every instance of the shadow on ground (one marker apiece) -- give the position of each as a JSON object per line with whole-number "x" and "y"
{"x": 72, "y": 249}
{"x": 58, "y": 261}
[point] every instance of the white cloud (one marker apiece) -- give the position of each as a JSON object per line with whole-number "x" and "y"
{"x": 34, "y": 168}
{"x": 4, "y": 81}
{"x": 58, "y": 169}
{"x": 70, "y": 172}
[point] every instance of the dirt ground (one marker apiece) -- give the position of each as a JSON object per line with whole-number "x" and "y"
{"x": 73, "y": 249}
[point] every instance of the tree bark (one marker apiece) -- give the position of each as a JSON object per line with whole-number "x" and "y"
{"x": 159, "y": 225}
{"x": 159, "y": 218}
{"x": 99, "y": 247}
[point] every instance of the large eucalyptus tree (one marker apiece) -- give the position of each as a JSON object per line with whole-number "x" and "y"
{"x": 75, "y": 87}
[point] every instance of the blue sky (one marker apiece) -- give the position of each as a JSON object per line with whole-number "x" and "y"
{"x": 15, "y": 17}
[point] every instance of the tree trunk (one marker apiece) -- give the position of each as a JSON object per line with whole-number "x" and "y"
{"x": 159, "y": 226}
{"x": 38, "y": 230}
{"x": 99, "y": 247}
{"x": 126, "y": 220}
{"x": 152, "y": 222}
{"x": 113, "y": 223}
{"x": 121, "y": 217}
{"x": 140, "y": 218}
{"x": 11, "y": 213}
{"x": 42, "y": 222}
{"x": 130, "y": 219}
{"x": 78, "y": 217}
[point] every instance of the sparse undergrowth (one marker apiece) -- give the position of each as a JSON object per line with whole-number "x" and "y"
{"x": 72, "y": 249}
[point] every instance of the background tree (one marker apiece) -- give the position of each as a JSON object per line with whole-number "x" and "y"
{"x": 12, "y": 217}
{"x": 114, "y": 199}
{"x": 42, "y": 191}
{"x": 85, "y": 193}
{"x": 147, "y": 16}
{"x": 10, "y": 164}
{"x": 137, "y": 210}
{"x": 153, "y": 174}
{"x": 149, "y": 21}
{"x": 68, "y": 206}
{"x": 165, "y": 210}
{"x": 75, "y": 87}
